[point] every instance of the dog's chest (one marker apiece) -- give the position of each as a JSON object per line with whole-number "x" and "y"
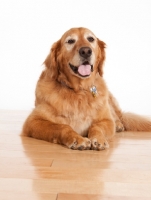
{"x": 79, "y": 111}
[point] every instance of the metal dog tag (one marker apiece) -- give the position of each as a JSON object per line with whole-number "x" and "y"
{"x": 93, "y": 91}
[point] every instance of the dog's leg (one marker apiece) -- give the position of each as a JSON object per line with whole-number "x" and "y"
{"x": 100, "y": 132}
{"x": 116, "y": 113}
{"x": 119, "y": 126}
{"x": 55, "y": 133}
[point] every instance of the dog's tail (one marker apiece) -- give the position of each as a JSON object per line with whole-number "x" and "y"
{"x": 133, "y": 122}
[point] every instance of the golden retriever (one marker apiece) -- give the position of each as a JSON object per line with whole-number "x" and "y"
{"x": 73, "y": 105}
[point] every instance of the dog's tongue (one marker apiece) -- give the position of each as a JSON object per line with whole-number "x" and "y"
{"x": 84, "y": 70}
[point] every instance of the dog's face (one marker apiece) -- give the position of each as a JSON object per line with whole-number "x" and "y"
{"x": 78, "y": 53}
{"x": 80, "y": 47}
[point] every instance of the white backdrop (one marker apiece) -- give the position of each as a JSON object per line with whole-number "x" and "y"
{"x": 29, "y": 28}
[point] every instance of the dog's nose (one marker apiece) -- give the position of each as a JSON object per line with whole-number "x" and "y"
{"x": 85, "y": 52}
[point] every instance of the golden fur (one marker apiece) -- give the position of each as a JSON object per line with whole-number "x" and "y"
{"x": 67, "y": 111}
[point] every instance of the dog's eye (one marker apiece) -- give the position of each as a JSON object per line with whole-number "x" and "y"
{"x": 71, "y": 41}
{"x": 90, "y": 39}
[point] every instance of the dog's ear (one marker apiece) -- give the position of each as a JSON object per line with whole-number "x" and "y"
{"x": 102, "y": 46}
{"x": 51, "y": 60}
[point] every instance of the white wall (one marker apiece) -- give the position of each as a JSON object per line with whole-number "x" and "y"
{"x": 29, "y": 28}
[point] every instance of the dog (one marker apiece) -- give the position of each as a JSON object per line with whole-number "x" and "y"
{"x": 73, "y": 105}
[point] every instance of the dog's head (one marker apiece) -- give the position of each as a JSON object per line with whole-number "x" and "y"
{"x": 78, "y": 53}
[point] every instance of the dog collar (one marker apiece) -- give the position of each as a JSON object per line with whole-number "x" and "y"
{"x": 93, "y": 89}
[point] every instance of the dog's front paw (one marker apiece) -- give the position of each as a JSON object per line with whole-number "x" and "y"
{"x": 80, "y": 143}
{"x": 99, "y": 143}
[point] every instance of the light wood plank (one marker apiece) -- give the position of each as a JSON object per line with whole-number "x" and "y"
{"x": 13, "y": 195}
{"x": 99, "y": 175}
{"x": 73, "y": 186}
{"x": 59, "y": 164}
{"x": 79, "y": 156}
{"x": 62, "y": 196}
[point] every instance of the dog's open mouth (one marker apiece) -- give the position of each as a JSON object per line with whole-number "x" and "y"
{"x": 83, "y": 70}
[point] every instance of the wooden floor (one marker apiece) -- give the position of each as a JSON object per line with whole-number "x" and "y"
{"x": 37, "y": 170}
